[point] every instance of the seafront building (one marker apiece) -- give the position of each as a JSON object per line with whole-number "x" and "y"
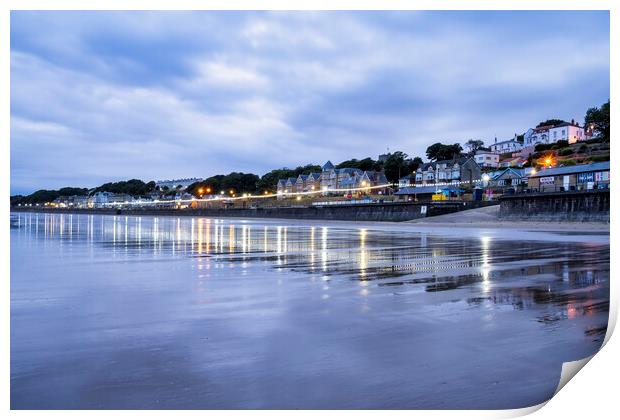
{"x": 486, "y": 159}
{"x": 571, "y": 178}
{"x": 440, "y": 180}
{"x": 102, "y": 198}
{"x": 462, "y": 169}
{"x": 181, "y": 184}
{"x": 73, "y": 201}
{"x": 345, "y": 180}
{"x": 509, "y": 177}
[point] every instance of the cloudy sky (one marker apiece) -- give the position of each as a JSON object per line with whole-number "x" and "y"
{"x": 100, "y": 96}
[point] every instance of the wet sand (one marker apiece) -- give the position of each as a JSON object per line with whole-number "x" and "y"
{"x": 168, "y": 312}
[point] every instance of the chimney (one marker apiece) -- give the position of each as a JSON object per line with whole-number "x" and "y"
{"x": 495, "y": 139}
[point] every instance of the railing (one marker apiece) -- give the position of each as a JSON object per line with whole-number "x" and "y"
{"x": 557, "y": 189}
{"x": 344, "y": 202}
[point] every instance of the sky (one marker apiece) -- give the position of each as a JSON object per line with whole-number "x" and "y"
{"x": 108, "y": 96}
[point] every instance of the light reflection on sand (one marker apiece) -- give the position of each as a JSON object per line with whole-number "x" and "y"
{"x": 239, "y": 314}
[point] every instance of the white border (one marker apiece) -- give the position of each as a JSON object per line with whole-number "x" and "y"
{"x": 592, "y": 396}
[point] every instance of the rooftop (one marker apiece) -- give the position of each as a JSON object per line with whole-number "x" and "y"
{"x": 565, "y": 170}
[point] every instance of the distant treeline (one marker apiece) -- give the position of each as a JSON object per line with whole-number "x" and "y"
{"x": 395, "y": 165}
{"x": 134, "y": 187}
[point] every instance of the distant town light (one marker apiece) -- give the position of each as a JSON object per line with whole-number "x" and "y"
{"x": 298, "y": 198}
{"x": 222, "y": 192}
{"x": 231, "y": 192}
{"x": 486, "y": 177}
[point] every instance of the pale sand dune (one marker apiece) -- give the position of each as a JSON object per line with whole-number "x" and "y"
{"x": 487, "y": 217}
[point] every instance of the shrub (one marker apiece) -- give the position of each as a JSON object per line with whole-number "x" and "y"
{"x": 568, "y": 162}
{"x": 583, "y": 148}
{"x": 567, "y": 151}
{"x": 542, "y": 147}
{"x": 560, "y": 144}
{"x": 601, "y": 158}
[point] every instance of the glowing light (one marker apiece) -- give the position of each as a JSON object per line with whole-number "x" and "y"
{"x": 234, "y": 197}
{"x": 486, "y": 177}
{"x": 231, "y": 192}
{"x": 298, "y": 198}
{"x": 548, "y": 161}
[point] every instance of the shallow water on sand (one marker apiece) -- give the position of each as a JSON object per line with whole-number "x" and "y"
{"x": 165, "y": 312}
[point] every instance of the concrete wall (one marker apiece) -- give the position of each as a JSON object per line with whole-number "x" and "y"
{"x": 561, "y": 206}
{"x": 387, "y": 212}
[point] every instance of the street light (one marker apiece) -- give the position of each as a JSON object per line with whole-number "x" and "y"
{"x": 548, "y": 161}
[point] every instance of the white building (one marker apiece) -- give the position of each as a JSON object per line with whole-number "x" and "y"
{"x": 567, "y": 131}
{"x": 506, "y": 146}
{"x": 570, "y": 132}
{"x": 174, "y": 183}
{"x": 101, "y": 198}
{"x": 486, "y": 159}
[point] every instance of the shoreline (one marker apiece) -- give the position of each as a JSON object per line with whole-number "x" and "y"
{"x": 472, "y": 223}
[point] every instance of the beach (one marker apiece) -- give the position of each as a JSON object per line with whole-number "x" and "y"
{"x": 130, "y": 312}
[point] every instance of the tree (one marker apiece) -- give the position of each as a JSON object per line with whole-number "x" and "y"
{"x": 269, "y": 181}
{"x": 474, "y": 145}
{"x": 552, "y": 121}
{"x": 134, "y": 187}
{"x": 415, "y": 163}
{"x": 366, "y": 164}
{"x": 396, "y": 166}
{"x": 598, "y": 120}
{"x": 45, "y": 196}
{"x": 439, "y": 151}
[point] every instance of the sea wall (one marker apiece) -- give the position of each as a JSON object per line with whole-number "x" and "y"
{"x": 579, "y": 206}
{"x": 386, "y": 212}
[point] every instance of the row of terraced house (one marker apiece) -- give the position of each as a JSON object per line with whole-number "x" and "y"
{"x": 341, "y": 180}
